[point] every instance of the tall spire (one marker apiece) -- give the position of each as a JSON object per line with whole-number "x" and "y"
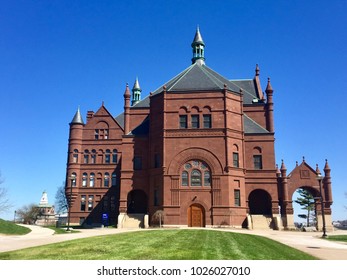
{"x": 198, "y": 46}
{"x": 77, "y": 119}
{"x": 136, "y": 93}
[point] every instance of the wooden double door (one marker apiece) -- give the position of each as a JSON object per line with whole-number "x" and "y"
{"x": 196, "y": 216}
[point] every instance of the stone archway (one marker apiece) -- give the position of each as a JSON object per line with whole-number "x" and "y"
{"x": 259, "y": 202}
{"x": 137, "y": 202}
{"x": 196, "y": 215}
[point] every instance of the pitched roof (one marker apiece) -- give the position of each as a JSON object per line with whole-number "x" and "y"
{"x": 201, "y": 77}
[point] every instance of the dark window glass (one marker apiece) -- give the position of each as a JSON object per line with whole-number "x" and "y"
{"x": 114, "y": 179}
{"x": 258, "y": 164}
{"x": 207, "y": 121}
{"x": 184, "y": 178}
{"x": 195, "y": 121}
{"x": 237, "y": 200}
{"x": 196, "y": 178}
{"x": 183, "y": 121}
{"x": 207, "y": 178}
{"x": 114, "y": 156}
{"x": 236, "y": 159}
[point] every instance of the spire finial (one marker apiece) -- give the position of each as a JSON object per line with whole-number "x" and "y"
{"x": 257, "y": 70}
{"x": 127, "y": 91}
{"x": 317, "y": 170}
{"x": 268, "y": 87}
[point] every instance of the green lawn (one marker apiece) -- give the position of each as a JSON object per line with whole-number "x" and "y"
{"x": 11, "y": 228}
{"x": 164, "y": 245}
{"x": 341, "y": 238}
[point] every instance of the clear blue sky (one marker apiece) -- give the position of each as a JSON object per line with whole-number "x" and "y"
{"x": 58, "y": 55}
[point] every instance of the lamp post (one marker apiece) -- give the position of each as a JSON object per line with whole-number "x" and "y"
{"x": 72, "y": 180}
{"x": 320, "y": 179}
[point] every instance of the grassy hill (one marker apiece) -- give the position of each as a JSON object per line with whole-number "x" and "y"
{"x": 11, "y": 228}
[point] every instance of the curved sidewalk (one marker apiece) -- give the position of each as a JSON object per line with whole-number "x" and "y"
{"x": 309, "y": 242}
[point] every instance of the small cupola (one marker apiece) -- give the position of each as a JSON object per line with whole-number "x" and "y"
{"x": 198, "y": 46}
{"x": 136, "y": 96}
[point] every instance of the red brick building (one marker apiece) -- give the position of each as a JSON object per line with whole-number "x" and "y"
{"x": 200, "y": 148}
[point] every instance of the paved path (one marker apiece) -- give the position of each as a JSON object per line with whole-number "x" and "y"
{"x": 309, "y": 242}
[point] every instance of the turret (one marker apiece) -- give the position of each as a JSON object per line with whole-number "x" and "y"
{"x": 269, "y": 108}
{"x": 136, "y": 98}
{"x": 75, "y": 137}
{"x": 198, "y": 46}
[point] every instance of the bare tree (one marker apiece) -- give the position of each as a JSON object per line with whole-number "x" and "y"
{"x": 61, "y": 203}
{"x": 28, "y": 214}
{"x": 5, "y": 204}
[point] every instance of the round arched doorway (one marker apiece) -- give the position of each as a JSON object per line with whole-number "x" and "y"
{"x": 137, "y": 202}
{"x": 196, "y": 215}
{"x": 259, "y": 202}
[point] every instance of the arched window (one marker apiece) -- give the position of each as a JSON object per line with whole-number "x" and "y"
{"x": 86, "y": 156}
{"x": 107, "y": 180}
{"x": 114, "y": 179}
{"x": 184, "y": 178}
{"x": 91, "y": 180}
{"x": 93, "y": 156}
{"x": 207, "y": 178}
{"x": 75, "y": 156}
{"x": 84, "y": 179}
{"x": 195, "y": 178}
{"x": 257, "y": 158}
{"x": 74, "y": 180}
{"x": 108, "y": 156}
{"x": 236, "y": 160}
{"x": 114, "y": 156}
{"x": 195, "y": 173}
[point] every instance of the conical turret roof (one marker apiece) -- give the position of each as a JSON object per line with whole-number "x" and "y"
{"x": 77, "y": 119}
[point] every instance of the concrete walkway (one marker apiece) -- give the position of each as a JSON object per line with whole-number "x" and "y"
{"x": 309, "y": 242}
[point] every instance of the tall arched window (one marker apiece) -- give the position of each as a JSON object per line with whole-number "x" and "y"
{"x": 184, "y": 178}
{"x": 195, "y": 173}
{"x": 195, "y": 178}
{"x": 75, "y": 156}
{"x": 86, "y": 156}
{"x": 93, "y": 156}
{"x": 74, "y": 181}
{"x": 257, "y": 158}
{"x": 91, "y": 180}
{"x": 107, "y": 180}
{"x": 108, "y": 156}
{"x": 114, "y": 156}
{"x": 84, "y": 179}
{"x": 207, "y": 178}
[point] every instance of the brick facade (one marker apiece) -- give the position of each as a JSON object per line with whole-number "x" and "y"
{"x": 200, "y": 148}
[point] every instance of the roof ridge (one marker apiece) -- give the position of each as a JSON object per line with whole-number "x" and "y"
{"x": 184, "y": 73}
{"x": 211, "y": 77}
{"x": 175, "y": 77}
